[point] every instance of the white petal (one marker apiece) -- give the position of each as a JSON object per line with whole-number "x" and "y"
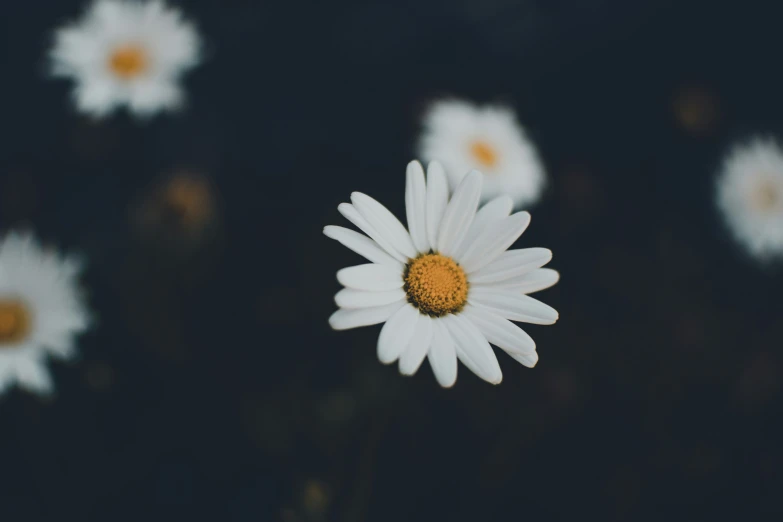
{"x": 362, "y": 245}
{"x": 96, "y": 97}
{"x": 372, "y": 277}
{"x": 61, "y": 346}
{"x": 473, "y": 349}
{"x": 442, "y": 355}
{"x": 385, "y": 223}
{"x": 511, "y": 264}
{"x": 351, "y": 214}
{"x": 73, "y": 264}
{"x": 494, "y": 241}
{"x": 153, "y": 95}
{"x": 396, "y": 333}
{"x": 512, "y": 305}
{"x": 529, "y": 360}
{"x": 347, "y": 319}
{"x": 414, "y": 354}
{"x": 349, "y": 298}
{"x": 459, "y": 213}
{"x": 6, "y": 380}
{"x": 415, "y": 206}
{"x": 535, "y": 281}
{"x": 504, "y": 334}
{"x": 33, "y": 375}
{"x": 489, "y": 214}
{"x": 437, "y": 199}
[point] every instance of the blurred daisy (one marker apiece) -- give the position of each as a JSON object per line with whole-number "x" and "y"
{"x": 41, "y": 311}
{"x": 181, "y": 211}
{"x": 463, "y": 136}
{"x": 126, "y": 52}
{"x": 750, "y": 196}
{"x": 446, "y": 288}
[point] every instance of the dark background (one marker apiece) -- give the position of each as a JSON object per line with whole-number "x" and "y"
{"x": 213, "y": 388}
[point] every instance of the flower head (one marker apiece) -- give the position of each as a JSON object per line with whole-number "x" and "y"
{"x": 126, "y": 53}
{"x": 463, "y": 136}
{"x": 41, "y": 311}
{"x": 447, "y": 286}
{"x": 750, "y": 196}
{"x": 183, "y": 204}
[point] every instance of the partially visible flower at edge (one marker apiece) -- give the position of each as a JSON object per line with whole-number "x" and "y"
{"x": 42, "y": 310}
{"x": 750, "y": 197}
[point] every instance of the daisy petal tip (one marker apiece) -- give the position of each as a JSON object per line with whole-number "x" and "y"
{"x": 505, "y": 202}
{"x": 436, "y": 171}
{"x": 344, "y": 319}
{"x": 333, "y": 321}
{"x": 473, "y": 181}
{"x": 385, "y": 359}
{"x": 447, "y": 385}
{"x": 523, "y": 218}
{"x": 554, "y": 277}
{"x": 414, "y": 167}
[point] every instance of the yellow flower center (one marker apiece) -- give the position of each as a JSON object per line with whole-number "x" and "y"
{"x": 15, "y": 321}
{"x": 484, "y": 153}
{"x": 128, "y": 61}
{"x": 436, "y": 285}
{"x": 767, "y": 196}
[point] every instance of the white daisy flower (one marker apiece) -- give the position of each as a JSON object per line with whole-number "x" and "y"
{"x": 750, "y": 196}
{"x": 41, "y": 311}
{"x": 463, "y": 137}
{"x": 446, "y": 288}
{"x": 126, "y": 52}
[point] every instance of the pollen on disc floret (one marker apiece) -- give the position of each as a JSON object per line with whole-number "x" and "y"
{"x": 436, "y": 285}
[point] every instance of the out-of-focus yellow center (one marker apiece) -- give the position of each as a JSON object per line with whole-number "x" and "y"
{"x": 767, "y": 196}
{"x": 189, "y": 200}
{"x": 128, "y": 61}
{"x": 15, "y": 321}
{"x": 484, "y": 153}
{"x": 436, "y": 285}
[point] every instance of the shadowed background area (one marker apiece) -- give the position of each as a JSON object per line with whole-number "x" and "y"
{"x": 213, "y": 388}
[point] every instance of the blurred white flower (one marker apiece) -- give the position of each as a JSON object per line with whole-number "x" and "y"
{"x": 750, "y": 196}
{"x": 463, "y": 136}
{"x": 447, "y": 287}
{"x": 126, "y": 52}
{"x": 41, "y": 311}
